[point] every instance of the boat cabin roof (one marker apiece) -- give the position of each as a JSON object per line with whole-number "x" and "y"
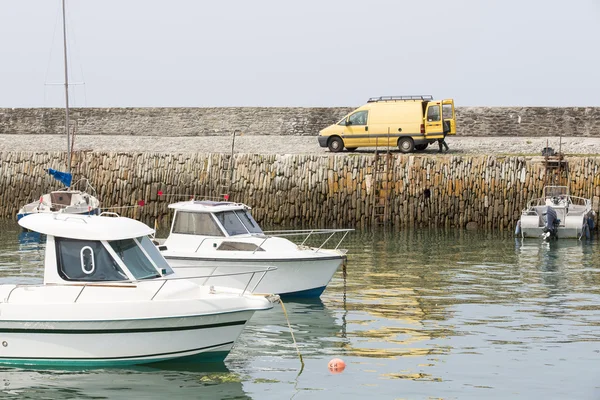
{"x": 207, "y": 206}
{"x": 85, "y": 227}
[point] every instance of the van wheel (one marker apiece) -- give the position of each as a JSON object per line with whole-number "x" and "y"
{"x": 406, "y": 145}
{"x": 351, "y": 148}
{"x": 335, "y": 144}
{"x": 421, "y": 147}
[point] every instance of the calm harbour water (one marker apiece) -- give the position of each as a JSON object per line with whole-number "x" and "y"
{"x": 419, "y": 314}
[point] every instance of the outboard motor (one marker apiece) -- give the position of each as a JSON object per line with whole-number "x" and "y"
{"x": 551, "y": 223}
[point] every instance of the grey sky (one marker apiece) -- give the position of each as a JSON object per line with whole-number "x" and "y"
{"x": 151, "y": 53}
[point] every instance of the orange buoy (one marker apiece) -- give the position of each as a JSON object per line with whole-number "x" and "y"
{"x": 336, "y": 366}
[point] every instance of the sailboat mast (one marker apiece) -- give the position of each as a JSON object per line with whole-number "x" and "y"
{"x": 66, "y": 88}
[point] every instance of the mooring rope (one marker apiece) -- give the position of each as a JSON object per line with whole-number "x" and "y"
{"x": 292, "y": 333}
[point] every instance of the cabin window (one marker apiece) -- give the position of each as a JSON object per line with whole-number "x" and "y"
{"x": 231, "y": 223}
{"x": 433, "y": 113}
{"x": 239, "y": 246}
{"x": 155, "y": 255}
{"x": 447, "y": 111}
{"x": 248, "y": 221}
{"x": 86, "y": 260}
{"x": 189, "y": 223}
{"x": 134, "y": 259}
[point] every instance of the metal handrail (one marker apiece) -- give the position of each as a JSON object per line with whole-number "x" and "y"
{"x": 309, "y": 233}
{"x": 541, "y": 201}
{"x": 260, "y": 245}
{"x": 200, "y": 245}
{"x": 74, "y": 217}
{"x": 109, "y": 213}
{"x": 78, "y": 182}
{"x": 121, "y": 284}
{"x": 266, "y": 235}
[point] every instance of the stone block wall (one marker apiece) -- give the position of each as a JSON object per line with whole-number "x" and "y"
{"x": 323, "y": 191}
{"x": 471, "y": 121}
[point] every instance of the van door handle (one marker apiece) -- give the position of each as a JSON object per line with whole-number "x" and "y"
{"x": 399, "y": 129}
{"x": 366, "y": 128}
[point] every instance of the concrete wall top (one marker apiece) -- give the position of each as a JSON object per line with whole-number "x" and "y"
{"x": 471, "y": 121}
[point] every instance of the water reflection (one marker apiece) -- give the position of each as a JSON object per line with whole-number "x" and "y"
{"x": 316, "y": 329}
{"x": 415, "y": 314}
{"x": 153, "y": 381}
{"x": 21, "y": 254}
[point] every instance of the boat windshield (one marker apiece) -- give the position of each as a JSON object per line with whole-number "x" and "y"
{"x": 231, "y": 223}
{"x": 556, "y": 191}
{"x": 87, "y": 261}
{"x": 238, "y": 222}
{"x": 248, "y": 221}
{"x": 155, "y": 255}
{"x": 195, "y": 223}
{"x": 134, "y": 258}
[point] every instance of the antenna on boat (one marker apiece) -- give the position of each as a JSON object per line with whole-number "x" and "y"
{"x": 64, "y": 21}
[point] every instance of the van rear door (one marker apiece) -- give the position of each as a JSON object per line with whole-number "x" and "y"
{"x": 433, "y": 120}
{"x": 448, "y": 115}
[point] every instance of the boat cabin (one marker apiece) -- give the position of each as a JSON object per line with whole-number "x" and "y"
{"x": 213, "y": 218}
{"x": 85, "y": 248}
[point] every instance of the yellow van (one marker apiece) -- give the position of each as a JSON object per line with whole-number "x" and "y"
{"x": 409, "y": 122}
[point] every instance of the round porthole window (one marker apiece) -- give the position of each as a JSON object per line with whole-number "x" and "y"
{"x": 87, "y": 260}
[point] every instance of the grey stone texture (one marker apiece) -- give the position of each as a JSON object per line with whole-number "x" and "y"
{"x": 286, "y": 121}
{"x": 305, "y": 190}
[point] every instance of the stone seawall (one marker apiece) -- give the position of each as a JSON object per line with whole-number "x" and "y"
{"x": 170, "y": 122}
{"x": 305, "y": 190}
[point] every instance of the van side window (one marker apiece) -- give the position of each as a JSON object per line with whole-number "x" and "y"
{"x": 433, "y": 113}
{"x": 358, "y": 118}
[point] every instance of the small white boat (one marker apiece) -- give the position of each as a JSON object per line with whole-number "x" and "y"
{"x": 215, "y": 237}
{"x": 66, "y": 200}
{"x": 109, "y": 298}
{"x": 557, "y": 214}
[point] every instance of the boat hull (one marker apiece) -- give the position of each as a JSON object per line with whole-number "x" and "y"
{"x": 121, "y": 324}
{"x": 303, "y": 278}
{"x": 572, "y": 228}
{"x": 204, "y": 338}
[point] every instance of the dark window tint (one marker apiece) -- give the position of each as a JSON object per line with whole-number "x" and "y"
{"x": 86, "y": 260}
{"x": 155, "y": 255}
{"x": 248, "y": 221}
{"x": 134, "y": 258}
{"x": 239, "y": 246}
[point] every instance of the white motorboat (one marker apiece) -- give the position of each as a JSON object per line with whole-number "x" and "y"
{"x": 557, "y": 214}
{"x": 216, "y": 237}
{"x": 109, "y": 298}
